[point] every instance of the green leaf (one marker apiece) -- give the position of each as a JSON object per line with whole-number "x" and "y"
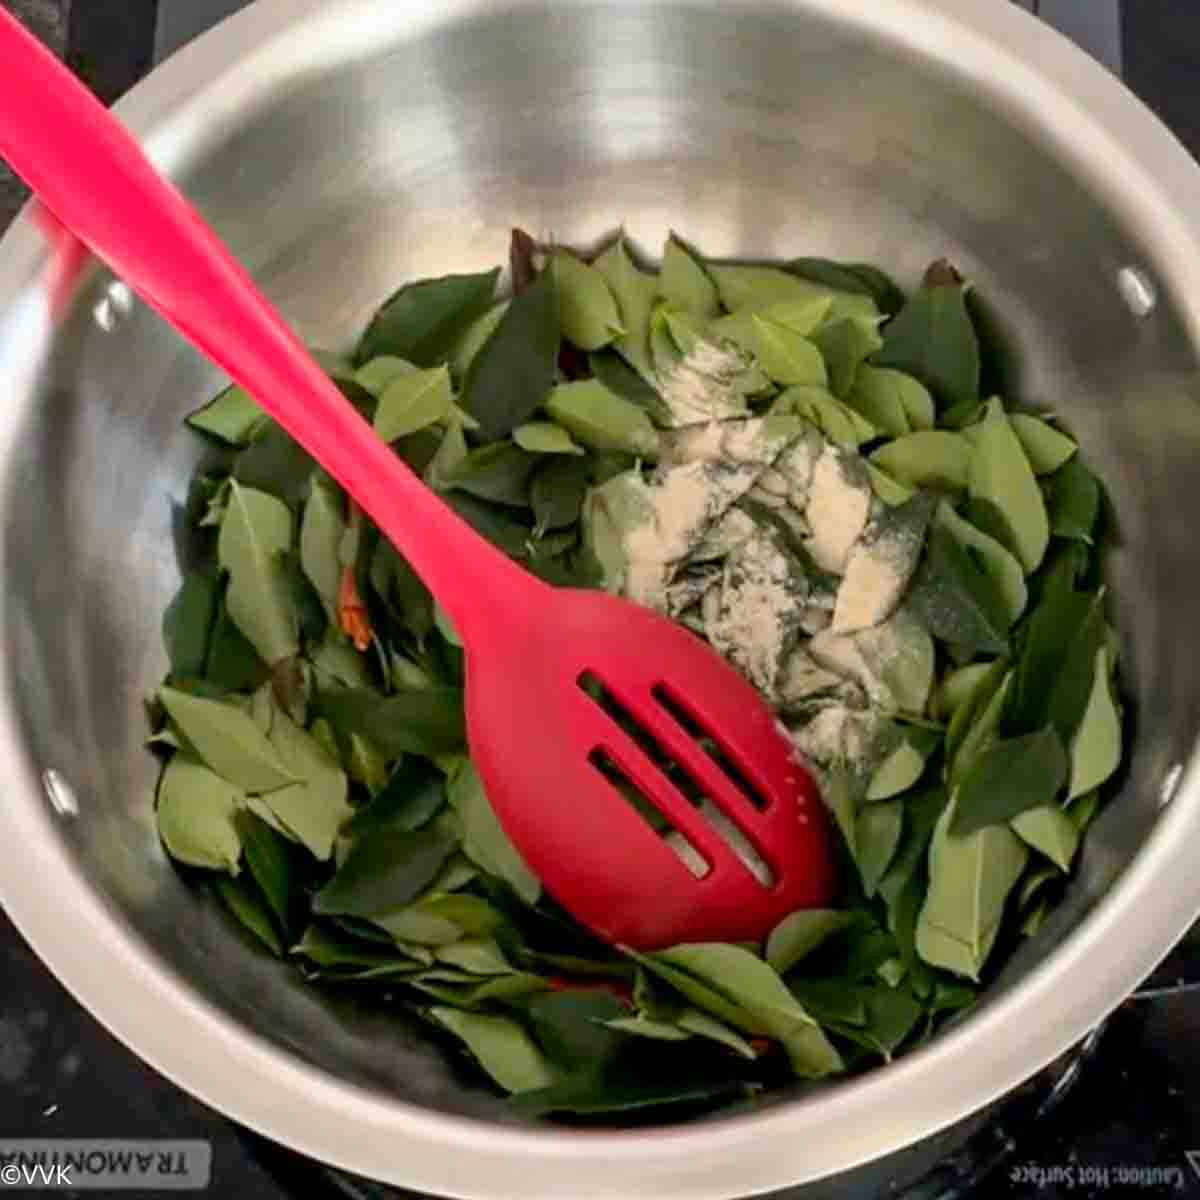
{"x": 754, "y": 999}
{"x": 756, "y": 288}
{"x": 247, "y": 906}
{"x": 1096, "y": 747}
{"x": 501, "y": 1047}
{"x": 472, "y": 915}
{"x": 572, "y": 1027}
{"x": 414, "y": 792}
{"x": 1008, "y": 778}
{"x": 425, "y": 721}
{"x": 257, "y": 529}
{"x": 855, "y": 278}
{"x": 1046, "y": 448}
{"x": 423, "y": 321}
{"x": 685, "y": 284}
{"x": 366, "y": 765}
{"x": 557, "y": 493}
{"x": 903, "y": 767}
{"x": 499, "y": 472}
{"x": 515, "y": 369}
{"x": 921, "y": 816}
{"x": 384, "y": 871}
{"x": 892, "y": 1015}
{"x": 1083, "y": 810}
{"x": 956, "y": 599}
{"x": 233, "y": 664}
{"x": 315, "y": 809}
{"x": 476, "y": 956}
{"x": 276, "y": 465}
{"x": 414, "y": 400}
{"x": 992, "y": 559}
{"x": 484, "y": 839}
{"x": 976, "y": 727}
{"x": 798, "y": 935}
{"x": 929, "y": 459}
{"x": 957, "y": 688}
{"x": 886, "y": 488}
{"x": 1051, "y": 832}
{"x": 635, "y": 293}
{"x": 1000, "y": 476}
{"x": 1054, "y": 672}
{"x": 188, "y": 623}
{"x": 610, "y": 369}
{"x": 228, "y": 741}
{"x": 270, "y": 864}
{"x": 375, "y": 375}
{"x": 473, "y": 338}
{"x": 840, "y": 424}
{"x": 321, "y": 531}
{"x": 895, "y": 402}
{"x": 969, "y": 880}
{"x": 602, "y": 420}
{"x": 544, "y": 437}
{"x": 587, "y": 310}
{"x": 933, "y": 339}
{"x": 846, "y": 345}
{"x": 787, "y": 357}
{"x": 196, "y": 810}
{"x": 647, "y": 1075}
{"x": 400, "y": 588}
{"x": 1073, "y": 497}
{"x": 500, "y": 527}
{"x": 876, "y": 839}
{"x": 234, "y": 417}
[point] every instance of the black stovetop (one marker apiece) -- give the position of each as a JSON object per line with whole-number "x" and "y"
{"x": 1133, "y": 1115}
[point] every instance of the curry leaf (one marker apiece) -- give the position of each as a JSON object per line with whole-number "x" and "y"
{"x": 876, "y": 838}
{"x": 414, "y": 792}
{"x": 375, "y": 375}
{"x": 755, "y": 288}
{"x": 234, "y": 417}
{"x": 933, "y": 339}
{"x": 413, "y": 400}
{"x": 1073, "y": 496}
{"x": 383, "y": 872}
{"x": 270, "y": 864}
{"x": 685, "y": 284}
{"x": 1000, "y": 476}
{"x": 861, "y": 278}
{"x": 992, "y": 559}
{"x": 1046, "y": 448}
{"x": 635, "y": 293}
{"x": 499, "y": 472}
{"x": 602, "y": 420}
{"x": 557, "y": 493}
{"x": 891, "y": 400}
{"x": 796, "y": 936}
{"x": 422, "y": 322}
{"x": 196, "y": 811}
{"x": 787, "y": 357}
{"x": 228, "y": 741}
{"x": 846, "y": 345}
{"x": 928, "y": 459}
{"x": 544, "y": 437}
{"x": 484, "y": 839}
{"x": 514, "y": 370}
{"x": 188, "y": 623}
{"x": 425, "y": 721}
{"x": 501, "y": 1047}
{"x": 1096, "y": 747}
{"x": 587, "y": 310}
{"x": 1008, "y": 778}
{"x": 257, "y": 529}
{"x": 969, "y": 880}
{"x": 248, "y": 907}
{"x": 321, "y": 531}
{"x": 276, "y": 465}
{"x": 1051, "y": 832}
{"x": 956, "y": 599}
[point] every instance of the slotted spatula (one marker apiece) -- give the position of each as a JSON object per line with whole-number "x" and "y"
{"x": 547, "y": 668}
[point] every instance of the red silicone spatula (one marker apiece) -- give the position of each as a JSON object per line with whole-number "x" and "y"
{"x": 551, "y": 756}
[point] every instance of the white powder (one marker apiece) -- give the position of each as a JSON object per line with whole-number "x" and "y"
{"x": 703, "y": 385}
{"x": 754, "y": 619}
{"x": 838, "y": 507}
{"x": 875, "y": 579}
{"x": 839, "y": 734}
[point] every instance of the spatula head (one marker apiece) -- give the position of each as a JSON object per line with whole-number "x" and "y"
{"x": 614, "y": 745}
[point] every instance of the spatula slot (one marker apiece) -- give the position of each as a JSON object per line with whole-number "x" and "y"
{"x": 684, "y": 782}
{"x": 691, "y": 725}
{"x": 645, "y": 808}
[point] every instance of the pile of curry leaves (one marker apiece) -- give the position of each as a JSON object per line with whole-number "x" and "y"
{"x": 317, "y": 776}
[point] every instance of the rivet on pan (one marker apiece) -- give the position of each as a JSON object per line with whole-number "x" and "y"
{"x": 116, "y": 303}
{"x": 60, "y": 793}
{"x": 1137, "y": 290}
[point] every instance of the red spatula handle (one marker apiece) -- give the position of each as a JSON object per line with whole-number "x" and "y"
{"x": 90, "y": 172}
